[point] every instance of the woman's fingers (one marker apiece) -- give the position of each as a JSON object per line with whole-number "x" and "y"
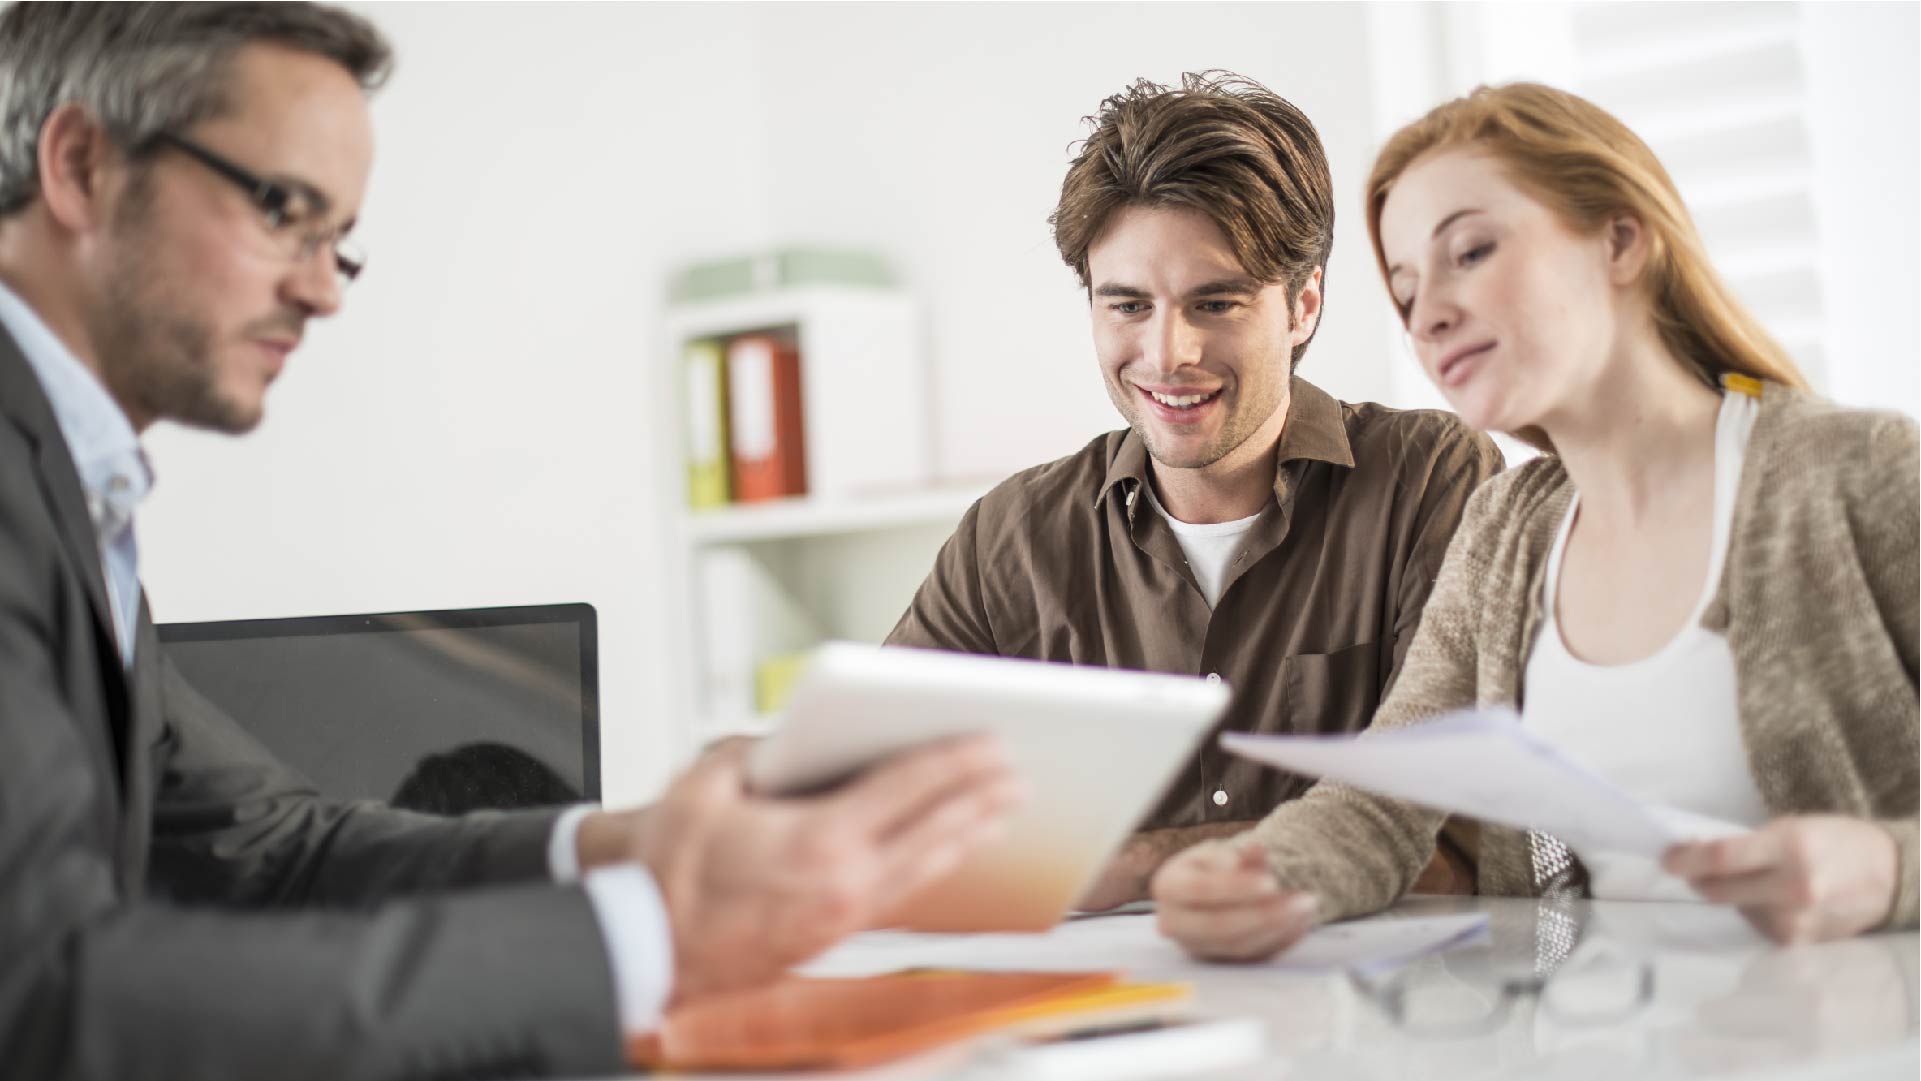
{"x": 1799, "y": 878}
{"x": 1221, "y": 903}
{"x": 1213, "y": 874}
{"x": 1253, "y": 931}
{"x": 1727, "y": 856}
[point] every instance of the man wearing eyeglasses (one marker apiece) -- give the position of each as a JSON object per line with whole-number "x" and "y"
{"x": 177, "y": 185}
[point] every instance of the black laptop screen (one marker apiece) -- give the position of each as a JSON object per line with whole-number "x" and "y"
{"x": 439, "y": 711}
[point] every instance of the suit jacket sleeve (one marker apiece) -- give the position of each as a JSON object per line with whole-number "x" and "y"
{"x": 99, "y": 981}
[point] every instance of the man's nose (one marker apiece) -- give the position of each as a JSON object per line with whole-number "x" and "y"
{"x": 1172, "y": 342}
{"x": 314, "y": 283}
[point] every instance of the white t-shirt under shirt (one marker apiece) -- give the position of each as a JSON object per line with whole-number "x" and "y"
{"x": 1666, "y": 728}
{"x": 1210, "y": 548}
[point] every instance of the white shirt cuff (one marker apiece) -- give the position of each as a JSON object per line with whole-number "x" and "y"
{"x": 640, "y": 942}
{"x": 563, "y": 851}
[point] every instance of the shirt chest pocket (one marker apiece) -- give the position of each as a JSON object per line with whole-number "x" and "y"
{"x": 1331, "y": 693}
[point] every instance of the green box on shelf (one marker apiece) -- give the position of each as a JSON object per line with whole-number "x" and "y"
{"x": 785, "y": 268}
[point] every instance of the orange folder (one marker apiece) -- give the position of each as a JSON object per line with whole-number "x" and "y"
{"x": 764, "y": 411}
{"x": 802, "y": 1023}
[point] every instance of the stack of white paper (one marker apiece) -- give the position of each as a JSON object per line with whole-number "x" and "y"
{"x": 1131, "y": 944}
{"x": 1483, "y": 764}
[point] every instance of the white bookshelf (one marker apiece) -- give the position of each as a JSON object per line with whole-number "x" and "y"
{"x": 863, "y": 380}
{"x": 793, "y": 519}
{"x": 745, "y": 580}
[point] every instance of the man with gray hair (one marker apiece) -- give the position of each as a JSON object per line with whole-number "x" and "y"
{"x": 178, "y": 183}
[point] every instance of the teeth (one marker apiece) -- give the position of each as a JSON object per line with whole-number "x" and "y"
{"x": 1182, "y": 401}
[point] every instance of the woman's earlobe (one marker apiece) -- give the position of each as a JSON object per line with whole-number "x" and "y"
{"x": 1629, "y": 247}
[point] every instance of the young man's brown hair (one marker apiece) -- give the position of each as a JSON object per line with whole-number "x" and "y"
{"x": 1220, "y": 144}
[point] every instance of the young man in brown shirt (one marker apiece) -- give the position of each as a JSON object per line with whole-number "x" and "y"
{"x": 1245, "y": 526}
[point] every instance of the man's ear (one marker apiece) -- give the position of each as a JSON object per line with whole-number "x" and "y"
{"x": 74, "y": 157}
{"x": 1307, "y": 307}
{"x": 1629, "y": 246}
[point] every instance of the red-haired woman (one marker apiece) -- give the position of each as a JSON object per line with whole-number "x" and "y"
{"x": 1705, "y": 590}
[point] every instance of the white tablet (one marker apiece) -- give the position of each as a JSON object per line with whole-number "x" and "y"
{"x": 1095, "y": 746}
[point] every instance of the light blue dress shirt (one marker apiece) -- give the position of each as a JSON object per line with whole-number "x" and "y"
{"x": 114, "y": 473}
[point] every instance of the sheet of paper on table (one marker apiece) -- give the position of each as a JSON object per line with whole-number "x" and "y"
{"x": 1484, "y": 764}
{"x": 1131, "y": 944}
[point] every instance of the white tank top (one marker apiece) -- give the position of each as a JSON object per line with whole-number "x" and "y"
{"x": 1666, "y": 728}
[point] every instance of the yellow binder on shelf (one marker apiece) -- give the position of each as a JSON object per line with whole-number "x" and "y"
{"x": 704, "y": 376}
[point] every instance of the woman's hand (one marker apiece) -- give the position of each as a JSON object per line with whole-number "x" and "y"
{"x": 1805, "y": 878}
{"x": 1221, "y": 903}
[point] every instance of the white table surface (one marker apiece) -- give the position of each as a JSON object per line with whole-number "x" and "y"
{"x": 1725, "y": 1004}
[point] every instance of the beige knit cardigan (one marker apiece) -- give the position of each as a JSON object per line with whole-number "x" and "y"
{"x": 1818, "y": 601}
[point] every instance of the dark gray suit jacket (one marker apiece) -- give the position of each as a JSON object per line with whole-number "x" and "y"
{"x": 176, "y": 904}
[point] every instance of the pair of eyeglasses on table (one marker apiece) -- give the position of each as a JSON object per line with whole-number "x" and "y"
{"x": 1575, "y": 978}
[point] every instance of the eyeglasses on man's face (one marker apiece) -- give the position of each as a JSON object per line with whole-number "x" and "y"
{"x": 291, "y": 211}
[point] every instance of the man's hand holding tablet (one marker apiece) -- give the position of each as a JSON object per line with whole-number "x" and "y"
{"x": 753, "y": 884}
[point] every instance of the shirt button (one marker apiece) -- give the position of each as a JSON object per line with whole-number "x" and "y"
{"x": 1213, "y": 677}
{"x": 1220, "y": 797}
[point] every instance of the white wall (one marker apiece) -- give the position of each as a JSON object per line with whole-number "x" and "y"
{"x": 1864, "y": 84}
{"x": 939, "y": 134}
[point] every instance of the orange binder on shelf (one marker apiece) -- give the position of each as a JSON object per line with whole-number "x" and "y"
{"x": 804, "y": 1023}
{"x": 764, "y": 412}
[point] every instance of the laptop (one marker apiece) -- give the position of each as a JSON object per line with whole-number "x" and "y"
{"x": 440, "y": 711}
{"x": 1095, "y": 746}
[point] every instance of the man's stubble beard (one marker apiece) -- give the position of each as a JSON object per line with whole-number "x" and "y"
{"x": 154, "y": 356}
{"x": 1237, "y": 431}
{"x": 1240, "y": 427}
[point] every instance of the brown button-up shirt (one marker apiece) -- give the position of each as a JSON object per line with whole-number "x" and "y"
{"x": 1069, "y": 562}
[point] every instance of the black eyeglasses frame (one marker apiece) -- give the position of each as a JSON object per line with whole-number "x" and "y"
{"x": 272, "y": 197}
